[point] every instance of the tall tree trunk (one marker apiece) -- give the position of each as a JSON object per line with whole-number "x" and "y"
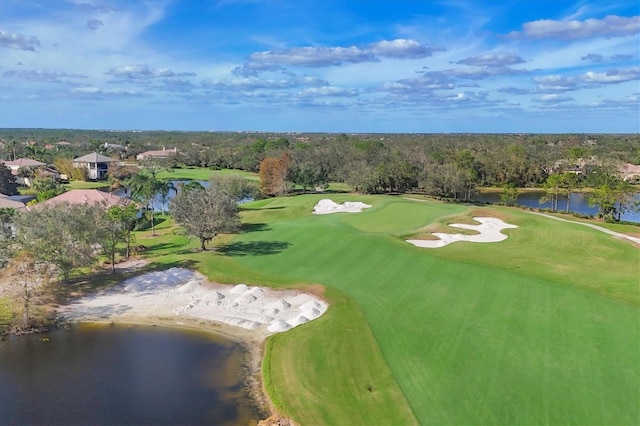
{"x": 128, "y": 244}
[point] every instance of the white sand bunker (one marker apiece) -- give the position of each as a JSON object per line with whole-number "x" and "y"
{"x": 327, "y": 206}
{"x": 181, "y": 292}
{"x": 489, "y": 232}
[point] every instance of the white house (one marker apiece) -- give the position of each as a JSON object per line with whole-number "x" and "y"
{"x": 96, "y": 164}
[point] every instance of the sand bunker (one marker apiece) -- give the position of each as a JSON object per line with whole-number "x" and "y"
{"x": 327, "y": 206}
{"x": 180, "y": 292}
{"x": 489, "y": 232}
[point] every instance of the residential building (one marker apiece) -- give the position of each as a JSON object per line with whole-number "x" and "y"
{"x": 163, "y": 153}
{"x": 97, "y": 165}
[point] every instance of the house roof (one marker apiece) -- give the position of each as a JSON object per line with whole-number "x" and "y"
{"x": 94, "y": 157}
{"x": 158, "y": 153}
{"x": 24, "y": 162}
{"x": 86, "y": 196}
{"x": 8, "y": 202}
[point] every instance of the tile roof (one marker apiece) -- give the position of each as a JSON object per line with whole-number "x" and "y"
{"x": 94, "y": 157}
{"x": 7, "y": 202}
{"x": 86, "y": 196}
{"x": 24, "y": 162}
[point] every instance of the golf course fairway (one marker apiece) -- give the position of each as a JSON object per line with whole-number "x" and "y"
{"x": 542, "y": 328}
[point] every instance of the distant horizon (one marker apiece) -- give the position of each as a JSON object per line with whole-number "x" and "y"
{"x": 316, "y": 132}
{"x": 339, "y": 66}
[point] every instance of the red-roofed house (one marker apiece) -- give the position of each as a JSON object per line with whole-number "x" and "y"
{"x": 164, "y": 153}
{"x": 88, "y": 197}
{"x": 10, "y": 202}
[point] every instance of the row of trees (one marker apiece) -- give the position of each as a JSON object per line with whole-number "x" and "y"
{"x": 42, "y": 247}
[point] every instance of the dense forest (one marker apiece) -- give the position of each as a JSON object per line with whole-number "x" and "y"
{"x": 449, "y": 165}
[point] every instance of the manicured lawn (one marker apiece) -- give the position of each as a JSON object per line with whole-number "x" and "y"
{"x": 79, "y": 184}
{"x": 199, "y": 173}
{"x": 542, "y": 328}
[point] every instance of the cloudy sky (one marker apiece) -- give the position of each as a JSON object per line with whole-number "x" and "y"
{"x": 329, "y": 66}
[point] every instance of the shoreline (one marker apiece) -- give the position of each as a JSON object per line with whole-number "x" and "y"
{"x": 253, "y": 351}
{"x": 162, "y": 303}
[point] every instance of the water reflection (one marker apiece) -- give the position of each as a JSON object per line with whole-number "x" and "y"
{"x": 578, "y": 203}
{"x": 122, "y": 375}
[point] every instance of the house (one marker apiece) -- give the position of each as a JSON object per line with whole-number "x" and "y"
{"x": 629, "y": 172}
{"x": 87, "y": 197}
{"x": 97, "y": 165}
{"x": 164, "y": 153}
{"x": 18, "y": 202}
{"x": 25, "y": 169}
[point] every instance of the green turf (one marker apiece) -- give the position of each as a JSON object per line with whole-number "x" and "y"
{"x": 200, "y": 173}
{"x": 79, "y": 184}
{"x": 5, "y": 314}
{"x": 542, "y": 328}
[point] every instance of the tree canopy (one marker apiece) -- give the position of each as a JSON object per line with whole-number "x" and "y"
{"x": 205, "y": 213}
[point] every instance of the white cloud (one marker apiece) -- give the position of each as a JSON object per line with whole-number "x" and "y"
{"x": 610, "y": 26}
{"x": 555, "y": 83}
{"x": 143, "y": 71}
{"x": 99, "y": 93}
{"x": 492, "y": 60}
{"x": 41, "y": 76}
{"x": 18, "y": 41}
{"x": 333, "y": 56}
{"x": 402, "y": 49}
{"x": 614, "y": 76}
{"x": 552, "y": 98}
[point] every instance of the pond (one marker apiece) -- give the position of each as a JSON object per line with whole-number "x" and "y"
{"x": 125, "y": 375}
{"x": 578, "y": 203}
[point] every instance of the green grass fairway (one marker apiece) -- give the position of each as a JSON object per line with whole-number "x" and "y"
{"x": 199, "y": 173}
{"x": 542, "y": 328}
{"x": 80, "y": 184}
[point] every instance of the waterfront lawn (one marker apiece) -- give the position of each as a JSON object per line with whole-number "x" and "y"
{"x": 201, "y": 173}
{"x": 473, "y": 333}
{"x": 5, "y": 314}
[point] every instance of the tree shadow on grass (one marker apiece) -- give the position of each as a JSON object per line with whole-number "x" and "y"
{"x": 254, "y": 248}
{"x": 254, "y": 227}
{"x": 249, "y": 209}
{"x": 145, "y": 224}
{"x": 156, "y": 248}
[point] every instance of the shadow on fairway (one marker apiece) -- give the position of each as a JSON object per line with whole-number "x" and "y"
{"x": 254, "y": 248}
{"x": 145, "y": 225}
{"x": 254, "y": 227}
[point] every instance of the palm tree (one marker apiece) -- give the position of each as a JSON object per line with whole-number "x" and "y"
{"x": 143, "y": 188}
{"x": 164, "y": 188}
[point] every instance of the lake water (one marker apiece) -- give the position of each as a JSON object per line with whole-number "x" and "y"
{"x": 578, "y": 203}
{"x": 122, "y": 375}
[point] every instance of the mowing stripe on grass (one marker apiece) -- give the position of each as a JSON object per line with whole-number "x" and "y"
{"x": 475, "y": 334}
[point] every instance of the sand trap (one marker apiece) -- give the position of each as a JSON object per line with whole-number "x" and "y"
{"x": 489, "y": 232}
{"x": 180, "y": 292}
{"x": 327, "y": 206}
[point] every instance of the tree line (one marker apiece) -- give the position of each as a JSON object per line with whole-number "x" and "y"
{"x": 42, "y": 247}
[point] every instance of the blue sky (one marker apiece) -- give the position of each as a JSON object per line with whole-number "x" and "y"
{"x": 327, "y": 66}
